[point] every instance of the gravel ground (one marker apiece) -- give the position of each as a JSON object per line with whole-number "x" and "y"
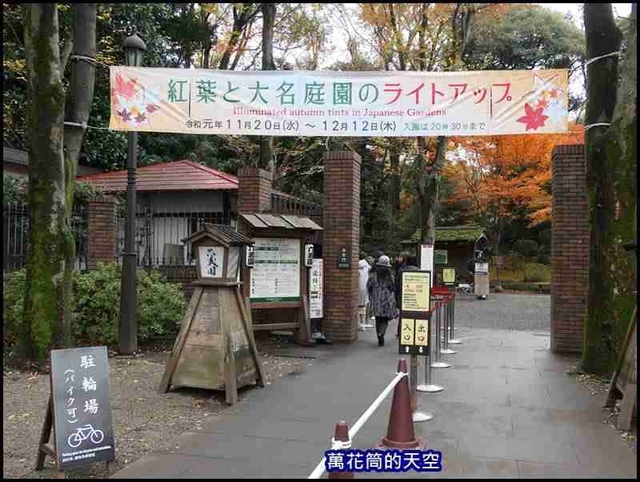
{"x": 144, "y": 421}
{"x": 506, "y": 311}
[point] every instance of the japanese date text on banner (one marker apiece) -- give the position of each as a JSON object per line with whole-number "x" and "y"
{"x": 339, "y": 104}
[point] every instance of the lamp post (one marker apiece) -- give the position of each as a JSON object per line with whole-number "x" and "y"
{"x": 134, "y": 49}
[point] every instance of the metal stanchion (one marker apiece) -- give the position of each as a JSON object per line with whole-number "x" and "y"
{"x": 452, "y": 340}
{"x": 416, "y": 415}
{"x": 447, "y": 320}
{"x": 429, "y": 386}
{"x": 438, "y": 363}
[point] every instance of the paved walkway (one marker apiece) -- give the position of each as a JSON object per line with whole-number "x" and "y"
{"x": 508, "y": 410}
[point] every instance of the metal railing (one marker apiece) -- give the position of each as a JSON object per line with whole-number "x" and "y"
{"x": 284, "y": 204}
{"x": 15, "y": 235}
{"x": 159, "y": 235}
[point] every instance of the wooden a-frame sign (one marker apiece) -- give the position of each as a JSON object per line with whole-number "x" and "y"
{"x": 624, "y": 382}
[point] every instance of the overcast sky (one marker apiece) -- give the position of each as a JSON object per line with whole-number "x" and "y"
{"x": 574, "y": 10}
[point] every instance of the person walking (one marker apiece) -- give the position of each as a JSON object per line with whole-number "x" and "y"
{"x": 381, "y": 290}
{"x": 363, "y": 295}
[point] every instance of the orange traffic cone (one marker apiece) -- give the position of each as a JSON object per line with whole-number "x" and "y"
{"x": 400, "y": 433}
{"x": 342, "y": 434}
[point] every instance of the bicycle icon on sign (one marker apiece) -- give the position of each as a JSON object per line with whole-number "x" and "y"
{"x": 83, "y": 433}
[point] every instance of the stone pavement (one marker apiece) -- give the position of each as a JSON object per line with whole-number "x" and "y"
{"x": 509, "y": 409}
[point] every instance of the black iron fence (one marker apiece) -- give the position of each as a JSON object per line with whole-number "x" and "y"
{"x": 159, "y": 235}
{"x": 15, "y": 235}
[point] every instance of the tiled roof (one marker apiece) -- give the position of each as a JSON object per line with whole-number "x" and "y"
{"x": 167, "y": 176}
{"x": 223, "y": 233}
{"x": 272, "y": 220}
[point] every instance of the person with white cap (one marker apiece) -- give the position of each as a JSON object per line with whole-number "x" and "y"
{"x": 381, "y": 288}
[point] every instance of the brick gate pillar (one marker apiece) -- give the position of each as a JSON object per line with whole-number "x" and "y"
{"x": 102, "y": 230}
{"x": 341, "y": 224}
{"x": 254, "y": 190}
{"x": 569, "y": 248}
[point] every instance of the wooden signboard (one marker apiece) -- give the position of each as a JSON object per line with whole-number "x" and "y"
{"x": 79, "y": 410}
{"x": 624, "y": 382}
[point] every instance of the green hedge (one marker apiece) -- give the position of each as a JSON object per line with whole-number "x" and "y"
{"x": 96, "y": 312}
{"x": 521, "y": 286}
{"x": 536, "y": 272}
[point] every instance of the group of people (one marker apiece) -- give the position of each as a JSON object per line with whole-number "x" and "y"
{"x": 379, "y": 291}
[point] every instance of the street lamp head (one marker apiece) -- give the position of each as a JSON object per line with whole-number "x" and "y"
{"x": 134, "y": 49}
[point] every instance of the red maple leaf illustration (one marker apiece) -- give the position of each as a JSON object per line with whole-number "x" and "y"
{"x": 141, "y": 118}
{"x": 152, "y": 108}
{"x": 126, "y": 116}
{"x": 125, "y": 88}
{"x": 534, "y": 117}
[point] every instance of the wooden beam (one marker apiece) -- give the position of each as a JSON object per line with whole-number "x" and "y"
{"x": 230, "y": 382}
{"x": 245, "y": 314}
{"x": 45, "y": 434}
{"x": 264, "y": 305}
{"x": 180, "y": 340}
{"x": 275, "y": 326}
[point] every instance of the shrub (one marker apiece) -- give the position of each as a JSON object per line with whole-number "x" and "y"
{"x": 544, "y": 237}
{"x": 526, "y": 247}
{"x": 520, "y": 286}
{"x": 536, "y": 272}
{"x": 13, "y": 298}
{"x": 14, "y": 189}
{"x": 96, "y": 313}
{"x": 544, "y": 259}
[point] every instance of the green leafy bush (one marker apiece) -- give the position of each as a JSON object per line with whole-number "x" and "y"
{"x": 13, "y": 298}
{"x": 13, "y": 189}
{"x": 521, "y": 286}
{"x": 535, "y": 272}
{"x": 544, "y": 259}
{"x": 526, "y": 247}
{"x": 96, "y": 314}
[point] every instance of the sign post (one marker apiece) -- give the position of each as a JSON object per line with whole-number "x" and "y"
{"x": 415, "y": 298}
{"x": 449, "y": 279}
{"x": 79, "y": 412}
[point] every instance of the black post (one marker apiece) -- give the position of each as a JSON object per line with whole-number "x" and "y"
{"x": 128, "y": 335}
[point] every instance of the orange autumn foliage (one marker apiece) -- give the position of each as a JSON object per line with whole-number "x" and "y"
{"x": 501, "y": 173}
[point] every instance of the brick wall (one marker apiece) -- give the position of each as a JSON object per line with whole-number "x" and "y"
{"x": 254, "y": 190}
{"x": 341, "y": 223}
{"x": 102, "y": 230}
{"x": 569, "y": 248}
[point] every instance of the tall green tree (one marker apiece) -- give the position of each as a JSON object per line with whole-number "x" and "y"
{"x": 43, "y": 324}
{"x": 78, "y": 106}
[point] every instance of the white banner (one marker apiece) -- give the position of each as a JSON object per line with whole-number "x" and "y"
{"x": 315, "y": 289}
{"x": 426, "y": 260}
{"x": 338, "y": 104}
